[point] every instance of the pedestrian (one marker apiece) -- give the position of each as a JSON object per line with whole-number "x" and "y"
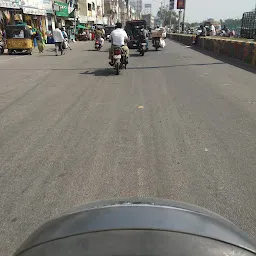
{"x": 40, "y": 41}
{"x": 65, "y": 43}
{"x": 58, "y": 39}
{"x": 212, "y": 30}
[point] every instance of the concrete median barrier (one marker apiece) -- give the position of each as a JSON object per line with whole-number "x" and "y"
{"x": 238, "y": 49}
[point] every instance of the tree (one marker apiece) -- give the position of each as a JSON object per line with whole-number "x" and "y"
{"x": 232, "y": 23}
{"x": 164, "y": 14}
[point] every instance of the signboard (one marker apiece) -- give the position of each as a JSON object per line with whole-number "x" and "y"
{"x": 171, "y": 6}
{"x": 181, "y": 4}
{"x": 147, "y": 5}
{"x": 15, "y": 4}
{"x": 48, "y": 5}
{"x": 35, "y": 7}
{"x": 37, "y": 4}
{"x": 63, "y": 12}
{"x": 34, "y": 11}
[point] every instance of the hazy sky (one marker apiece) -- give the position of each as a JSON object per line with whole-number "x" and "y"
{"x": 198, "y": 10}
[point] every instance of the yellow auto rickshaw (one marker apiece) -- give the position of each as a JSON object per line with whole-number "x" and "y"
{"x": 19, "y": 39}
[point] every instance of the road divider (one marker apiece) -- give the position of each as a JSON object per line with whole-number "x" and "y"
{"x": 238, "y": 49}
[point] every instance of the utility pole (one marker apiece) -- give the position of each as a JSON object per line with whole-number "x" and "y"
{"x": 183, "y": 20}
{"x": 179, "y": 20}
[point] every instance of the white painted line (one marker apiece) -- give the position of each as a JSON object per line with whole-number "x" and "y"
{"x": 13, "y": 58}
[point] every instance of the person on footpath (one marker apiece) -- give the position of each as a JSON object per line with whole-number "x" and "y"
{"x": 212, "y": 30}
{"x": 58, "y": 39}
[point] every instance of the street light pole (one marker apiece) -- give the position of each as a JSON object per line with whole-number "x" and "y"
{"x": 179, "y": 20}
{"x": 184, "y": 14}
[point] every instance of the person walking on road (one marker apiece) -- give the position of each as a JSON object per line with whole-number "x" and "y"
{"x": 58, "y": 39}
{"x": 65, "y": 35}
{"x": 40, "y": 41}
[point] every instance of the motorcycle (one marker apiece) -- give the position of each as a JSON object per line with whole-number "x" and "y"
{"x": 156, "y": 43}
{"x": 119, "y": 59}
{"x": 1, "y": 47}
{"x": 142, "y": 48}
{"x": 138, "y": 226}
{"x": 97, "y": 45}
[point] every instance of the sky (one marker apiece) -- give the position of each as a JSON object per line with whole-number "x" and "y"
{"x": 199, "y": 10}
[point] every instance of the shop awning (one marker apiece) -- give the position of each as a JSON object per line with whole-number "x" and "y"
{"x": 72, "y": 14}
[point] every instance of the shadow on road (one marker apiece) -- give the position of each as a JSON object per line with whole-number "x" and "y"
{"x": 179, "y": 65}
{"x": 110, "y": 71}
{"x": 99, "y": 72}
{"x": 228, "y": 60}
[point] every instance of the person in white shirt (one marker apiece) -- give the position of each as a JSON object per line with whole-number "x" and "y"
{"x": 118, "y": 38}
{"x": 58, "y": 39}
{"x": 212, "y": 30}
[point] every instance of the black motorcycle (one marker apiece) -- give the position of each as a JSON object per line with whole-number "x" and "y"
{"x": 138, "y": 227}
{"x": 142, "y": 47}
{"x": 156, "y": 42}
{"x": 119, "y": 59}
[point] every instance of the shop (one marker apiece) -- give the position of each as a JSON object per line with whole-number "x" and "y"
{"x": 10, "y": 13}
{"x": 49, "y": 19}
{"x": 34, "y": 14}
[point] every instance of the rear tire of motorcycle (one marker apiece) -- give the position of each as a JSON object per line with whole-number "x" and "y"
{"x": 156, "y": 48}
{"x": 10, "y": 52}
{"x": 117, "y": 69}
{"x": 142, "y": 53}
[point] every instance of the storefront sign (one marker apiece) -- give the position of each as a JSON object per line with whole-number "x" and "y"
{"x": 181, "y": 4}
{"x": 35, "y": 7}
{"x": 48, "y": 6}
{"x": 15, "y": 4}
{"x": 38, "y": 4}
{"x": 34, "y": 11}
{"x": 63, "y": 12}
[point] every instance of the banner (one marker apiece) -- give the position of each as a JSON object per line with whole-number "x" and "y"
{"x": 14, "y": 4}
{"x": 63, "y": 12}
{"x": 180, "y": 4}
{"x": 48, "y": 6}
{"x": 34, "y": 7}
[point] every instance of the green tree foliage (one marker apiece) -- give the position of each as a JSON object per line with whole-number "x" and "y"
{"x": 232, "y": 23}
{"x": 164, "y": 14}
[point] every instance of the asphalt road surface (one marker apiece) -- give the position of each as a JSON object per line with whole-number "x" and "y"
{"x": 176, "y": 124}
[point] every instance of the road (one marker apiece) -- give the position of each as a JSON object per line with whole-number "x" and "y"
{"x": 176, "y": 124}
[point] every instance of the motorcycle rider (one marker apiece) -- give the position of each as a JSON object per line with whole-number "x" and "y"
{"x": 118, "y": 38}
{"x": 99, "y": 34}
{"x": 153, "y": 39}
{"x": 143, "y": 36}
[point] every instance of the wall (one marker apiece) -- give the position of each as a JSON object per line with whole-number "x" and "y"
{"x": 242, "y": 50}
